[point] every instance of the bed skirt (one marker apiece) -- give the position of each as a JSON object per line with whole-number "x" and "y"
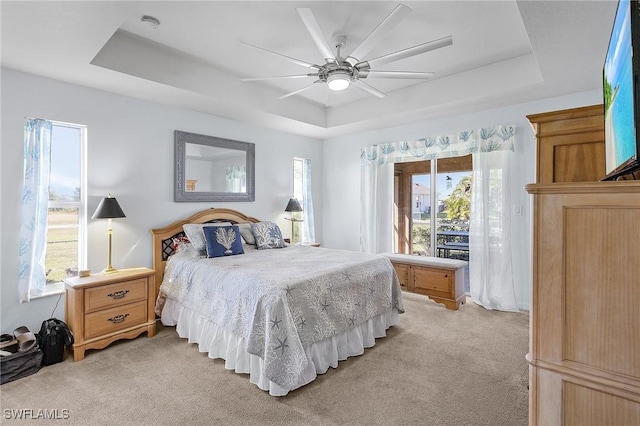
{"x": 220, "y": 343}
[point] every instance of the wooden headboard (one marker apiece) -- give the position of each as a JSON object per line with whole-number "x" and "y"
{"x": 163, "y": 237}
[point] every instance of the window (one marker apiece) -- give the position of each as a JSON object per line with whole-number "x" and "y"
{"x": 433, "y": 207}
{"x": 66, "y": 230}
{"x": 302, "y": 192}
{"x": 298, "y": 191}
{"x": 298, "y": 178}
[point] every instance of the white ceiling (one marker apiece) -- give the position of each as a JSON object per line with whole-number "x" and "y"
{"x": 503, "y": 52}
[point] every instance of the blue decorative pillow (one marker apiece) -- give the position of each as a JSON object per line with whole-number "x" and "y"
{"x": 194, "y": 233}
{"x": 267, "y": 235}
{"x": 223, "y": 240}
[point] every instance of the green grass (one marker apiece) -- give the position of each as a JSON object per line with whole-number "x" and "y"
{"x": 62, "y": 245}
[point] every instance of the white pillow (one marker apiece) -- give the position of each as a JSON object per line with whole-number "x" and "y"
{"x": 194, "y": 232}
{"x": 247, "y": 233}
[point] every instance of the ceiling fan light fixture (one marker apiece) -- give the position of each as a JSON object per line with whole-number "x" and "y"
{"x": 338, "y": 81}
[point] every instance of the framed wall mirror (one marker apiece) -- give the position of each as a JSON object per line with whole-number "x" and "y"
{"x": 208, "y": 168}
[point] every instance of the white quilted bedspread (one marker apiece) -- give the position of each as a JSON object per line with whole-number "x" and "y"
{"x": 281, "y": 300}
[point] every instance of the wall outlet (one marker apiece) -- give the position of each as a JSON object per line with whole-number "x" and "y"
{"x": 516, "y": 210}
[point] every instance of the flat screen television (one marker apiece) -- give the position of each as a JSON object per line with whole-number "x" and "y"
{"x": 622, "y": 93}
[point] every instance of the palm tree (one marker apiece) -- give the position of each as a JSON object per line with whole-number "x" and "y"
{"x": 458, "y": 204}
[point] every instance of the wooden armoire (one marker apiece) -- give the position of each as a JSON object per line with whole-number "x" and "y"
{"x": 569, "y": 145}
{"x": 584, "y": 350}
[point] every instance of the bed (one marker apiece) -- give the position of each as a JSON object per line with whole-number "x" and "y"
{"x": 281, "y": 315}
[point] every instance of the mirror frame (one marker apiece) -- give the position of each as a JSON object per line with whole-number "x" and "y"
{"x": 181, "y": 194}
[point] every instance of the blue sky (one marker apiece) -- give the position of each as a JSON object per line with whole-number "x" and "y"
{"x": 441, "y": 180}
{"x": 622, "y": 36}
{"x": 65, "y": 160}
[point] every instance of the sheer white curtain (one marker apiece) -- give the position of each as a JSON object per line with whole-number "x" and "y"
{"x": 308, "y": 225}
{"x": 490, "y": 270}
{"x": 34, "y": 209}
{"x": 376, "y": 207}
{"x": 236, "y": 179}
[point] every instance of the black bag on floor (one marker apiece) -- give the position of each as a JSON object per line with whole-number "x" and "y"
{"x": 53, "y": 337}
{"x": 19, "y": 364}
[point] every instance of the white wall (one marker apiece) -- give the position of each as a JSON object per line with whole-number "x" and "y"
{"x": 130, "y": 154}
{"x": 341, "y": 174}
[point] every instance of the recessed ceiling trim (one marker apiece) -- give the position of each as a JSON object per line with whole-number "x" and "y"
{"x": 496, "y": 79}
{"x": 134, "y": 55}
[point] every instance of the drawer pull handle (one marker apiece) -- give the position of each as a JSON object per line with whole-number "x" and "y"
{"x": 118, "y": 294}
{"x": 118, "y": 318}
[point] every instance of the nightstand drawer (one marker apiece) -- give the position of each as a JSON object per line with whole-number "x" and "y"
{"x": 114, "y": 294}
{"x": 114, "y": 319}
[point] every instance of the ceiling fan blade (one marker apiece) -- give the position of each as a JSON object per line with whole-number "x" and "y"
{"x": 278, "y": 77}
{"x": 299, "y": 90}
{"x": 289, "y": 58}
{"x": 316, "y": 33}
{"x": 365, "y": 87}
{"x": 395, "y": 74}
{"x": 397, "y": 15}
{"x": 406, "y": 53}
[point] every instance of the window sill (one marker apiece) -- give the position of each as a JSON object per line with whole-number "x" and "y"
{"x": 51, "y": 290}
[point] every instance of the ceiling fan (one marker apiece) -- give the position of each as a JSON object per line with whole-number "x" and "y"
{"x": 340, "y": 72}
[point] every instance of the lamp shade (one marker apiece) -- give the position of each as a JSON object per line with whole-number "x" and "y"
{"x": 108, "y": 209}
{"x": 293, "y": 206}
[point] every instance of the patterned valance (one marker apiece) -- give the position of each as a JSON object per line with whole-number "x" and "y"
{"x": 498, "y": 138}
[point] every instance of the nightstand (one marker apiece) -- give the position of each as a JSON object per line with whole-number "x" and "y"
{"x": 103, "y": 308}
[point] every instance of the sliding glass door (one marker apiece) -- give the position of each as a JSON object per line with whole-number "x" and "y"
{"x": 433, "y": 206}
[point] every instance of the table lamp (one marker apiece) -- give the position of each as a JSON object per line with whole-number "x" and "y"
{"x": 108, "y": 209}
{"x": 293, "y": 206}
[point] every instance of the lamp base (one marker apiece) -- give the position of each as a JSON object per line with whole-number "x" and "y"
{"x": 109, "y": 270}
{"x": 293, "y": 222}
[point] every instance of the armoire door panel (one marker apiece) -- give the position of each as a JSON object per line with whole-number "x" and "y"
{"x": 582, "y": 162}
{"x": 582, "y": 405}
{"x": 600, "y": 318}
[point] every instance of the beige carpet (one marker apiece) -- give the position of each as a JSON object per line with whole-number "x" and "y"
{"x": 437, "y": 367}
